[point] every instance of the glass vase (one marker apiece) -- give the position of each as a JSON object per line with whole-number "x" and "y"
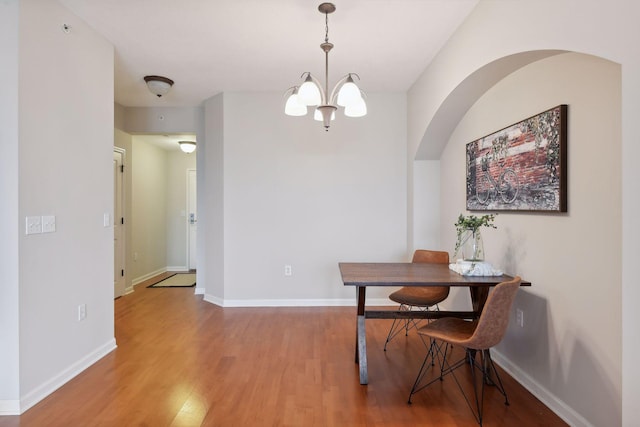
{"x": 472, "y": 247}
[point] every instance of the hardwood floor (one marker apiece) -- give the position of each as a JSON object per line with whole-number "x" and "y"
{"x": 181, "y": 361}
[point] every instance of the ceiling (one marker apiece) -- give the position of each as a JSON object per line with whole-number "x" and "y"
{"x": 213, "y": 46}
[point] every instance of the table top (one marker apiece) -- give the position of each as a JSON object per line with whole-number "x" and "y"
{"x": 412, "y": 274}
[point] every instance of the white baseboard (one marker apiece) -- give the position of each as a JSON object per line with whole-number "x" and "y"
{"x": 560, "y": 408}
{"x": 9, "y": 407}
{"x": 171, "y": 268}
{"x": 44, "y": 390}
{"x": 349, "y": 302}
{"x": 179, "y": 268}
{"x": 199, "y": 291}
{"x": 213, "y": 300}
{"x": 147, "y": 276}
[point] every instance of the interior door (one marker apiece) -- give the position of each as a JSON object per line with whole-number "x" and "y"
{"x": 118, "y": 223}
{"x": 192, "y": 218}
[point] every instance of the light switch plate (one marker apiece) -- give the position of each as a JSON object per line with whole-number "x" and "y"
{"x": 48, "y": 223}
{"x": 33, "y": 225}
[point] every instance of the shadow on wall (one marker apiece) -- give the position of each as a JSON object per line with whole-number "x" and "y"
{"x": 589, "y": 375}
{"x": 583, "y": 372}
{"x": 514, "y": 250}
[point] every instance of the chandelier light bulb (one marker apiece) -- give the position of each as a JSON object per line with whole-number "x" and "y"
{"x": 309, "y": 93}
{"x": 294, "y": 107}
{"x": 349, "y": 93}
{"x": 357, "y": 109}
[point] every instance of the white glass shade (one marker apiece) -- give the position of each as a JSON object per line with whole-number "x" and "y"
{"x": 349, "y": 94}
{"x": 357, "y": 109}
{"x": 158, "y": 85}
{"x": 293, "y": 107}
{"x": 317, "y": 115}
{"x": 187, "y": 146}
{"x": 309, "y": 93}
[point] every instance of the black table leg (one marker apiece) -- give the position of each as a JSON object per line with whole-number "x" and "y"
{"x": 361, "y": 336}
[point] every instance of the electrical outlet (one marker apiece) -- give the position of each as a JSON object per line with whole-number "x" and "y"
{"x": 520, "y": 317}
{"x": 48, "y": 223}
{"x": 82, "y": 312}
{"x": 287, "y": 270}
{"x": 33, "y": 225}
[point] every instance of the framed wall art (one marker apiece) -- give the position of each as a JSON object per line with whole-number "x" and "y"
{"x": 522, "y": 167}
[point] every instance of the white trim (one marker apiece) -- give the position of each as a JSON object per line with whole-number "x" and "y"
{"x": 199, "y": 291}
{"x": 123, "y": 209}
{"x": 170, "y": 268}
{"x": 65, "y": 376}
{"x": 551, "y": 401}
{"x": 349, "y": 302}
{"x": 148, "y": 276}
{"x": 213, "y": 300}
{"x": 9, "y": 407}
{"x": 177, "y": 268}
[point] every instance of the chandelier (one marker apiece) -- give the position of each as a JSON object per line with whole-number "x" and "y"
{"x": 311, "y": 92}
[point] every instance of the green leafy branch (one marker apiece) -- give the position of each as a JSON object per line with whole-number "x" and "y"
{"x": 471, "y": 223}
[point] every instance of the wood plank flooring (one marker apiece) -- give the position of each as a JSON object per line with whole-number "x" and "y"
{"x": 182, "y": 362}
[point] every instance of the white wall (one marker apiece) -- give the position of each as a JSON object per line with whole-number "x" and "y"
{"x": 564, "y": 349}
{"x": 297, "y": 195}
{"x": 65, "y": 169}
{"x": 480, "y": 44}
{"x": 162, "y": 120}
{"x": 426, "y": 208}
{"x": 211, "y": 235}
{"x": 149, "y": 209}
{"x": 9, "y": 218}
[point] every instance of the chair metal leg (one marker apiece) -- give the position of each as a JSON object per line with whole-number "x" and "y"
{"x": 435, "y": 351}
{"x": 493, "y": 372}
{"x": 406, "y": 324}
{"x": 398, "y": 325}
{"x": 421, "y": 374}
{"x": 479, "y": 372}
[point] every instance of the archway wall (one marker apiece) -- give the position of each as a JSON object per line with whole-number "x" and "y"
{"x": 497, "y": 39}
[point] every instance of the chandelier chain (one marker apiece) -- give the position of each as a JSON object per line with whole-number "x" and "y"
{"x": 326, "y": 28}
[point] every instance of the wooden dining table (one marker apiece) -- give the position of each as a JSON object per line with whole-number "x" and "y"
{"x": 362, "y": 275}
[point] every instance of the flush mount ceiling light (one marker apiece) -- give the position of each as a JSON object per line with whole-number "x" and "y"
{"x": 158, "y": 85}
{"x": 187, "y": 146}
{"x": 311, "y": 93}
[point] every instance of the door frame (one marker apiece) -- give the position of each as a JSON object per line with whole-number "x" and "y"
{"x": 119, "y": 224}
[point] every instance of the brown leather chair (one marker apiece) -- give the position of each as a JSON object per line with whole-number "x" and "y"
{"x": 476, "y": 337}
{"x": 418, "y": 297}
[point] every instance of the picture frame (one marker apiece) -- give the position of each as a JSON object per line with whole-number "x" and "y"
{"x": 522, "y": 167}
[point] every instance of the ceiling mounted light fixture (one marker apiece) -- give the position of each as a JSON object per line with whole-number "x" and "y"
{"x": 311, "y": 92}
{"x": 158, "y": 85}
{"x": 187, "y": 146}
